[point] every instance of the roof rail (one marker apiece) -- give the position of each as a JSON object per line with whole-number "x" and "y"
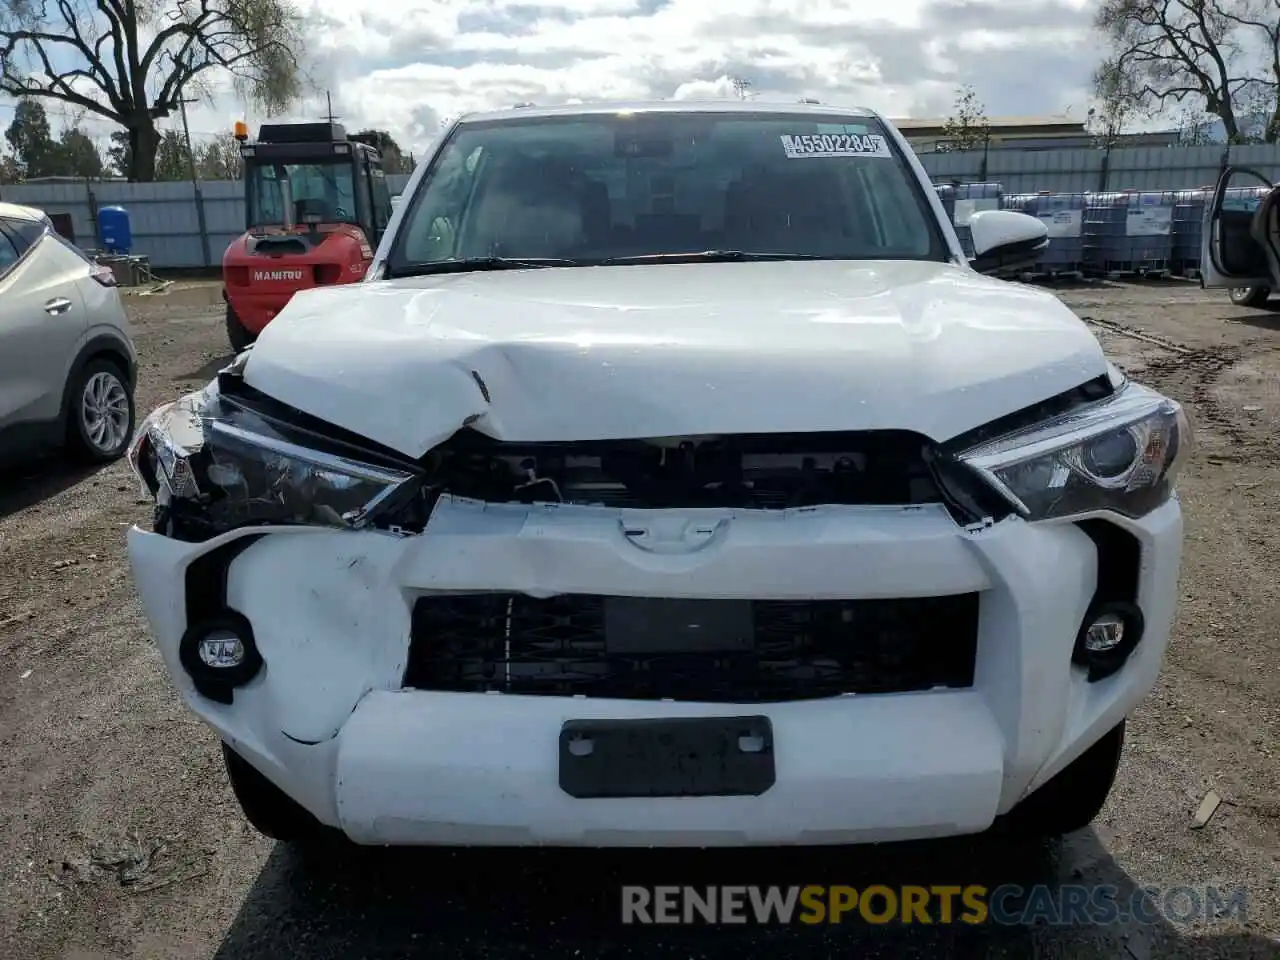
{"x": 522, "y": 104}
{"x": 811, "y": 100}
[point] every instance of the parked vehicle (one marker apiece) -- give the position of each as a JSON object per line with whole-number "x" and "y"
{"x": 1238, "y": 249}
{"x": 1258, "y": 296}
{"x": 67, "y": 362}
{"x": 668, "y": 451}
{"x": 316, "y": 203}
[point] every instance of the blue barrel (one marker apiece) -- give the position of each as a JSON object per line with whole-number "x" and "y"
{"x": 973, "y": 198}
{"x": 1129, "y": 232}
{"x": 1188, "y": 229}
{"x": 1063, "y": 215}
{"x": 114, "y": 232}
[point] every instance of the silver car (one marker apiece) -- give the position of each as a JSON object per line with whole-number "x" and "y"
{"x": 67, "y": 361}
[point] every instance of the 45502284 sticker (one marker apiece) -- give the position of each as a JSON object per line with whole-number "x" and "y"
{"x": 836, "y": 145}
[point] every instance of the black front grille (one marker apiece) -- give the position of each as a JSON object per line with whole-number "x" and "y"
{"x": 778, "y": 651}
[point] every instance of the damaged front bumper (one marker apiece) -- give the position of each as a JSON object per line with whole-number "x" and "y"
{"x": 340, "y": 718}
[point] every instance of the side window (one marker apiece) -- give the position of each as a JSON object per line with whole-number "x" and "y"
{"x": 8, "y": 252}
{"x": 24, "y": 233}
{"x": 893, "y": 206}
{"x": 432, "y": 232}
{"x": 366, "y": 199}
{"x": 381, "y": 198}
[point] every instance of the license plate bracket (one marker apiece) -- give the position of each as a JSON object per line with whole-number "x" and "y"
{"x": 680, "y": 757}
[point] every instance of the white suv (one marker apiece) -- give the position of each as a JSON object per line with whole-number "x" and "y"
{"x": 675, "y": 480}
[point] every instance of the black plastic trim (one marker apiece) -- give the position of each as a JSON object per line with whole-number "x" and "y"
{"x": 219, "y": 685}
{"x": 206, "y": 606}
{"x": 1101, "y": 666}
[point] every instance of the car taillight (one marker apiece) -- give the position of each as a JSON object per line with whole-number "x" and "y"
{"x": 104, "y": 275}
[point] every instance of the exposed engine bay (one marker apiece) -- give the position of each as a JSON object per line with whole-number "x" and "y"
{"x": 233, "y": 457}
{"x": 750, "y": 472}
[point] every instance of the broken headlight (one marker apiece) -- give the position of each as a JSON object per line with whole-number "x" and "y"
{"x": 1119, "y": 455}
{"x": 216, "y": 464}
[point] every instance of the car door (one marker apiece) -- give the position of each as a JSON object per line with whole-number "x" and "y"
{"x": 42, "y": 319}
{"x": 1238, "y": 246}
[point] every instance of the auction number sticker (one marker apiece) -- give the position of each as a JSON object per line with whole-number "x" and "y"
{"x": 835, "y": 145}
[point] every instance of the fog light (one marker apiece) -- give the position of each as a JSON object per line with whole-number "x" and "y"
{"x": 219, "y": 654}
{"x": 221, "y": 649}
{"x": 1108, "y": 636}
{"x": 1104, "y": 634}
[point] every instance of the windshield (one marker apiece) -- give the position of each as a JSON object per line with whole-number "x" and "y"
{"x": 319, "y": 190}
{"x": 620, "y": 186}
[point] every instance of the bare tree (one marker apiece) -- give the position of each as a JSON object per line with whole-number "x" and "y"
{"x": 1115, "y": 106}
{"x": 1219, "y": 57}
{"x": 967, "y": 128}
{"x": 133, "y": 61}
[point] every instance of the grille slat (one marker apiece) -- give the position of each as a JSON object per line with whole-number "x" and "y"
{"x": 799, "y": 650}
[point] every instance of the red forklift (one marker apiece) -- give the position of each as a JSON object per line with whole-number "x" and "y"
{"x": 316, "y": 205}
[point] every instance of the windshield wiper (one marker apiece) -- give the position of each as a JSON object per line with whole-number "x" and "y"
{"x": 710, "y": 256}
{"x": 468, "y": 264}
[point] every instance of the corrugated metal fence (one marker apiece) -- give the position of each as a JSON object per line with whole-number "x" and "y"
{"x": 163, "y": 216}
{"x": 166, "y": 222}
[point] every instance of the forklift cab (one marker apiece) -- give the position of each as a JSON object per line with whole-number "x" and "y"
{"x": 1240, "y": 242}
{"x": 314, "y": 175}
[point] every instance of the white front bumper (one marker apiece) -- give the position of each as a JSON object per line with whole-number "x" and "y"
{"x": 328, "y": 722}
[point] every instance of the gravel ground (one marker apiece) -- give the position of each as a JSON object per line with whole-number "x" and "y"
{"x": 120, "y": 839}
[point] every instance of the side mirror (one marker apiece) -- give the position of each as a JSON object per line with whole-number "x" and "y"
{"x": 1006, "y": 240}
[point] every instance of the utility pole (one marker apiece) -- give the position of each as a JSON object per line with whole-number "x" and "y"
{"x": 328, "y": 99}
{"x": 195, "y": 183}
{"x": 186, "y": 135}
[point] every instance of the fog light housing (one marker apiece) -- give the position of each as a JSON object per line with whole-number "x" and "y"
{"x": 219, "y": 654}
{"x": 1108, "y": 636}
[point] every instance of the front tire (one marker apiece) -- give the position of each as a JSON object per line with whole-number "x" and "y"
{"x": 1250, "y": 296}
{"x": 100, "y": 415}
{"x": 271, "y": 811}
{"x": 1074, "y": 797}
{"x": 239, "y": 335}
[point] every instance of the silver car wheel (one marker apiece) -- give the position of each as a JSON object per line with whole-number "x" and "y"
{"x": 104, "y": 412}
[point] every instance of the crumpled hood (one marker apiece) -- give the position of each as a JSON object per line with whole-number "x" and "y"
{"x": 664, "y": 350}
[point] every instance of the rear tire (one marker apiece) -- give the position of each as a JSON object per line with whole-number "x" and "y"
{"x": 1074, "y": 797}
{"x": 271, "y": 811}
{"x": 100, "y": 413}
{"x": 1250, "y": 296}
{"x": 240, "y": 336}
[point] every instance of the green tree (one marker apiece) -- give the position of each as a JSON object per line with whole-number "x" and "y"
{"x": 77, "y": 155}
{"x": 393, "y": 159}
{"x": 133, "y": 61}
{"x": 219, "y": 159}
{"x": 173, "y": 162}
{"x": 967, "y": 128}
{"x": 29, "y": 138}
{"x": 120, "y": 154}
{"x": 10, "y": 170}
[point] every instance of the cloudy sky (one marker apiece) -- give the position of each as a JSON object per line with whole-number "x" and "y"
{"x": 402, "y": 65}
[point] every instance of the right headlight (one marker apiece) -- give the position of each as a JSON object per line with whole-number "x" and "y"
{"x": 1120, "y": 455}
{"x": 220, "y": 465}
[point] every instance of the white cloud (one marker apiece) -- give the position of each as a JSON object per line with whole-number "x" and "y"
{"x": 403, "y": 64}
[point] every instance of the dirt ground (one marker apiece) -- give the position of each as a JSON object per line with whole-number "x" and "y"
{"x": 119, "y": 837}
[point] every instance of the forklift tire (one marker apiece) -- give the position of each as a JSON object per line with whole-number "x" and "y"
{"x": 240, "y": 337}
